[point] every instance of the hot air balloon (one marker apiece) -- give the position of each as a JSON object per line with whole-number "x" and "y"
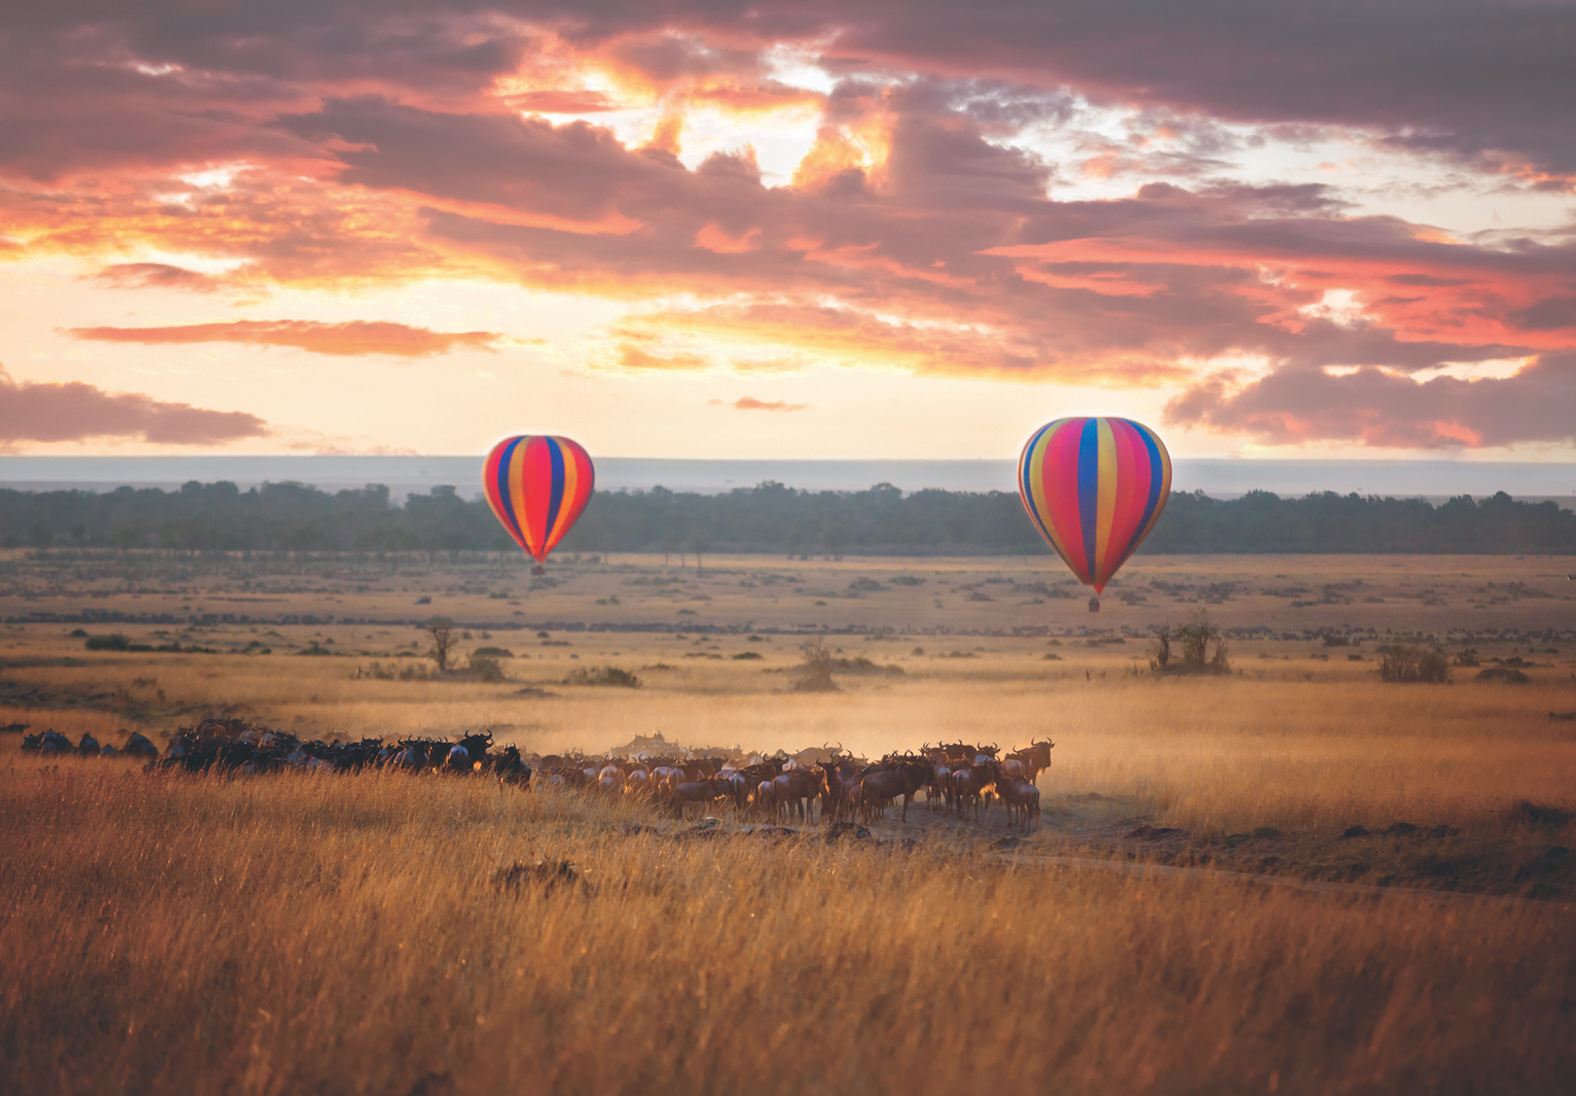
{"x": 537, "y": 485}
{"x": 1094, "y": 487}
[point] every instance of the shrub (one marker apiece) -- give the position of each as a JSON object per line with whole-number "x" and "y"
{"x": 115, "y": 642}
{"x": 603, "y": 675}
{"x": 1193, "y": 639}
{"x": 1400, "y": 663}
{"x": 486, "y": 669}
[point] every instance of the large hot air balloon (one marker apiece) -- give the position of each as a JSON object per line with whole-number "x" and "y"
{"x": 537, "y": 485}
{"x": 1094, "y": 487}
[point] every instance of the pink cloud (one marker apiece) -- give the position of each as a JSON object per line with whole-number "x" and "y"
{"x": 750, "y": 403}
{"x": 75, "y": 411}
{"x": 355, "y": 337}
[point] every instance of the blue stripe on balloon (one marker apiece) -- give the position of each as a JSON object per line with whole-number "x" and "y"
{"x": 1089, "y": 489}
{"x": 1154, "y": 487}
{"x": 1026, "y": 482}
{"x": 1025, "y": 487}
{"x": 502, "y": 484}
{"x": 556, "y": 499}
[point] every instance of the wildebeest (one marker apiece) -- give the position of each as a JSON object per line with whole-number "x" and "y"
{"x": 139, "y": 745}
{"x": 883, "y": 783}
{"x": 1021, "y": 799}
{"x": 794, "y": 789}
{"x": 971, "y": 785}
{"x": 701, "y": 791}
{"x": 510, "y": 768}
{"x": 1035, "y": 759}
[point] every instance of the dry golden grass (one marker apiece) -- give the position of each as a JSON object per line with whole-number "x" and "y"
{"x": 168, "y": 934}
{"x": 291, "y": 934}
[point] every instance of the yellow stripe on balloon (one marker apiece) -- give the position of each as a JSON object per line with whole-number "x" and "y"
{"x": 571, "y": 471}
{"x": 1165, "y": 482}
{"x": 1105, "y": 505}
{"x": 1037, "y": 485}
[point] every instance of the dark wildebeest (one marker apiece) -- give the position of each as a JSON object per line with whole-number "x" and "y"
{"x": 794, "y": 790}
{"x": 701, "y": 791}
{"x": 842, "y": 777}
{"x": 879, "y": 786}
{"x": 510, "y": 769}
{"x": 139, "y": 745}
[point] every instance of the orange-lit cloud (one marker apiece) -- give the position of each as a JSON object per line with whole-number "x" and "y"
{"x": 923, "y": 226}
{"x": 156, "y": 275}
{"x": 354, "y": 337}
{"x": 31, "y": 412}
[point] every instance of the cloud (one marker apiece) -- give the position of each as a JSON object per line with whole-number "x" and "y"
{"x": 1378, "y": 408}
{"x": 75, "y": 411}
{"x": 155, "y": 275}
{"x": 364, "y": 143}
{"x": 355, "y": 337}
{"x": 749, "y": 403}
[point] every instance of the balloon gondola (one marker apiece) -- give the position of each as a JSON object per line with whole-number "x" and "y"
{"x": 537, "y": 485}
{"x": 1094, "y": 487}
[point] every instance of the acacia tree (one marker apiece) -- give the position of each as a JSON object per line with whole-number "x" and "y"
{"x": 441, "y": 629}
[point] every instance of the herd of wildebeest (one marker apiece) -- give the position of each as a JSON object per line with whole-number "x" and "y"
{"x": 824, "y": 781}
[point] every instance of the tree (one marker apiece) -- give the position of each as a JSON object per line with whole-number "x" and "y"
{"x": 441, "y": 629}
{"x": 1160, "y": 656}
{"x": 815, "y": 674}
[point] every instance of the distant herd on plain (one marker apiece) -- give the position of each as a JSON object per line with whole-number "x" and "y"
{"x": 825, "y": 783}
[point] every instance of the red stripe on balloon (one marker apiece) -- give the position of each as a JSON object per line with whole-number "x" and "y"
{"x": 536, "y": 485}
{"x": 1061, "y": 492}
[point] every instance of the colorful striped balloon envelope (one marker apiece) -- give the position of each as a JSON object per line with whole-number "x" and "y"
{"x": 1094, "y": 487}
{"x": 537, "y": 485}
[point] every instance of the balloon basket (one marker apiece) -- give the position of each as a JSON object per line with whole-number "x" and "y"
{"x": 1094, "y": 605}
{"x": 538, "y": 569}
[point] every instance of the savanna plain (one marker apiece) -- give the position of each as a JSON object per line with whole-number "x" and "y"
{"x": 1288, "y": 875}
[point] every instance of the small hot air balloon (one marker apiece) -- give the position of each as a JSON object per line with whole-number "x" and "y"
{"x": 1094, "y": 487}
{"x": 537, "y": 485}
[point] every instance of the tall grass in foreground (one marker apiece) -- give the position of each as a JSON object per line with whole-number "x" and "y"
{"x": 292, "y": 934}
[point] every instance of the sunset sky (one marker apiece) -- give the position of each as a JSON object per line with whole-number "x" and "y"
{"x": 791, "y": 228}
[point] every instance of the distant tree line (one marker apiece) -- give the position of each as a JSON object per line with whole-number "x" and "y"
{"x": 768, "y": 518}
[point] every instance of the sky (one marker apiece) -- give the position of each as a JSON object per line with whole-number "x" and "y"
{"x": 788, "y": 228}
